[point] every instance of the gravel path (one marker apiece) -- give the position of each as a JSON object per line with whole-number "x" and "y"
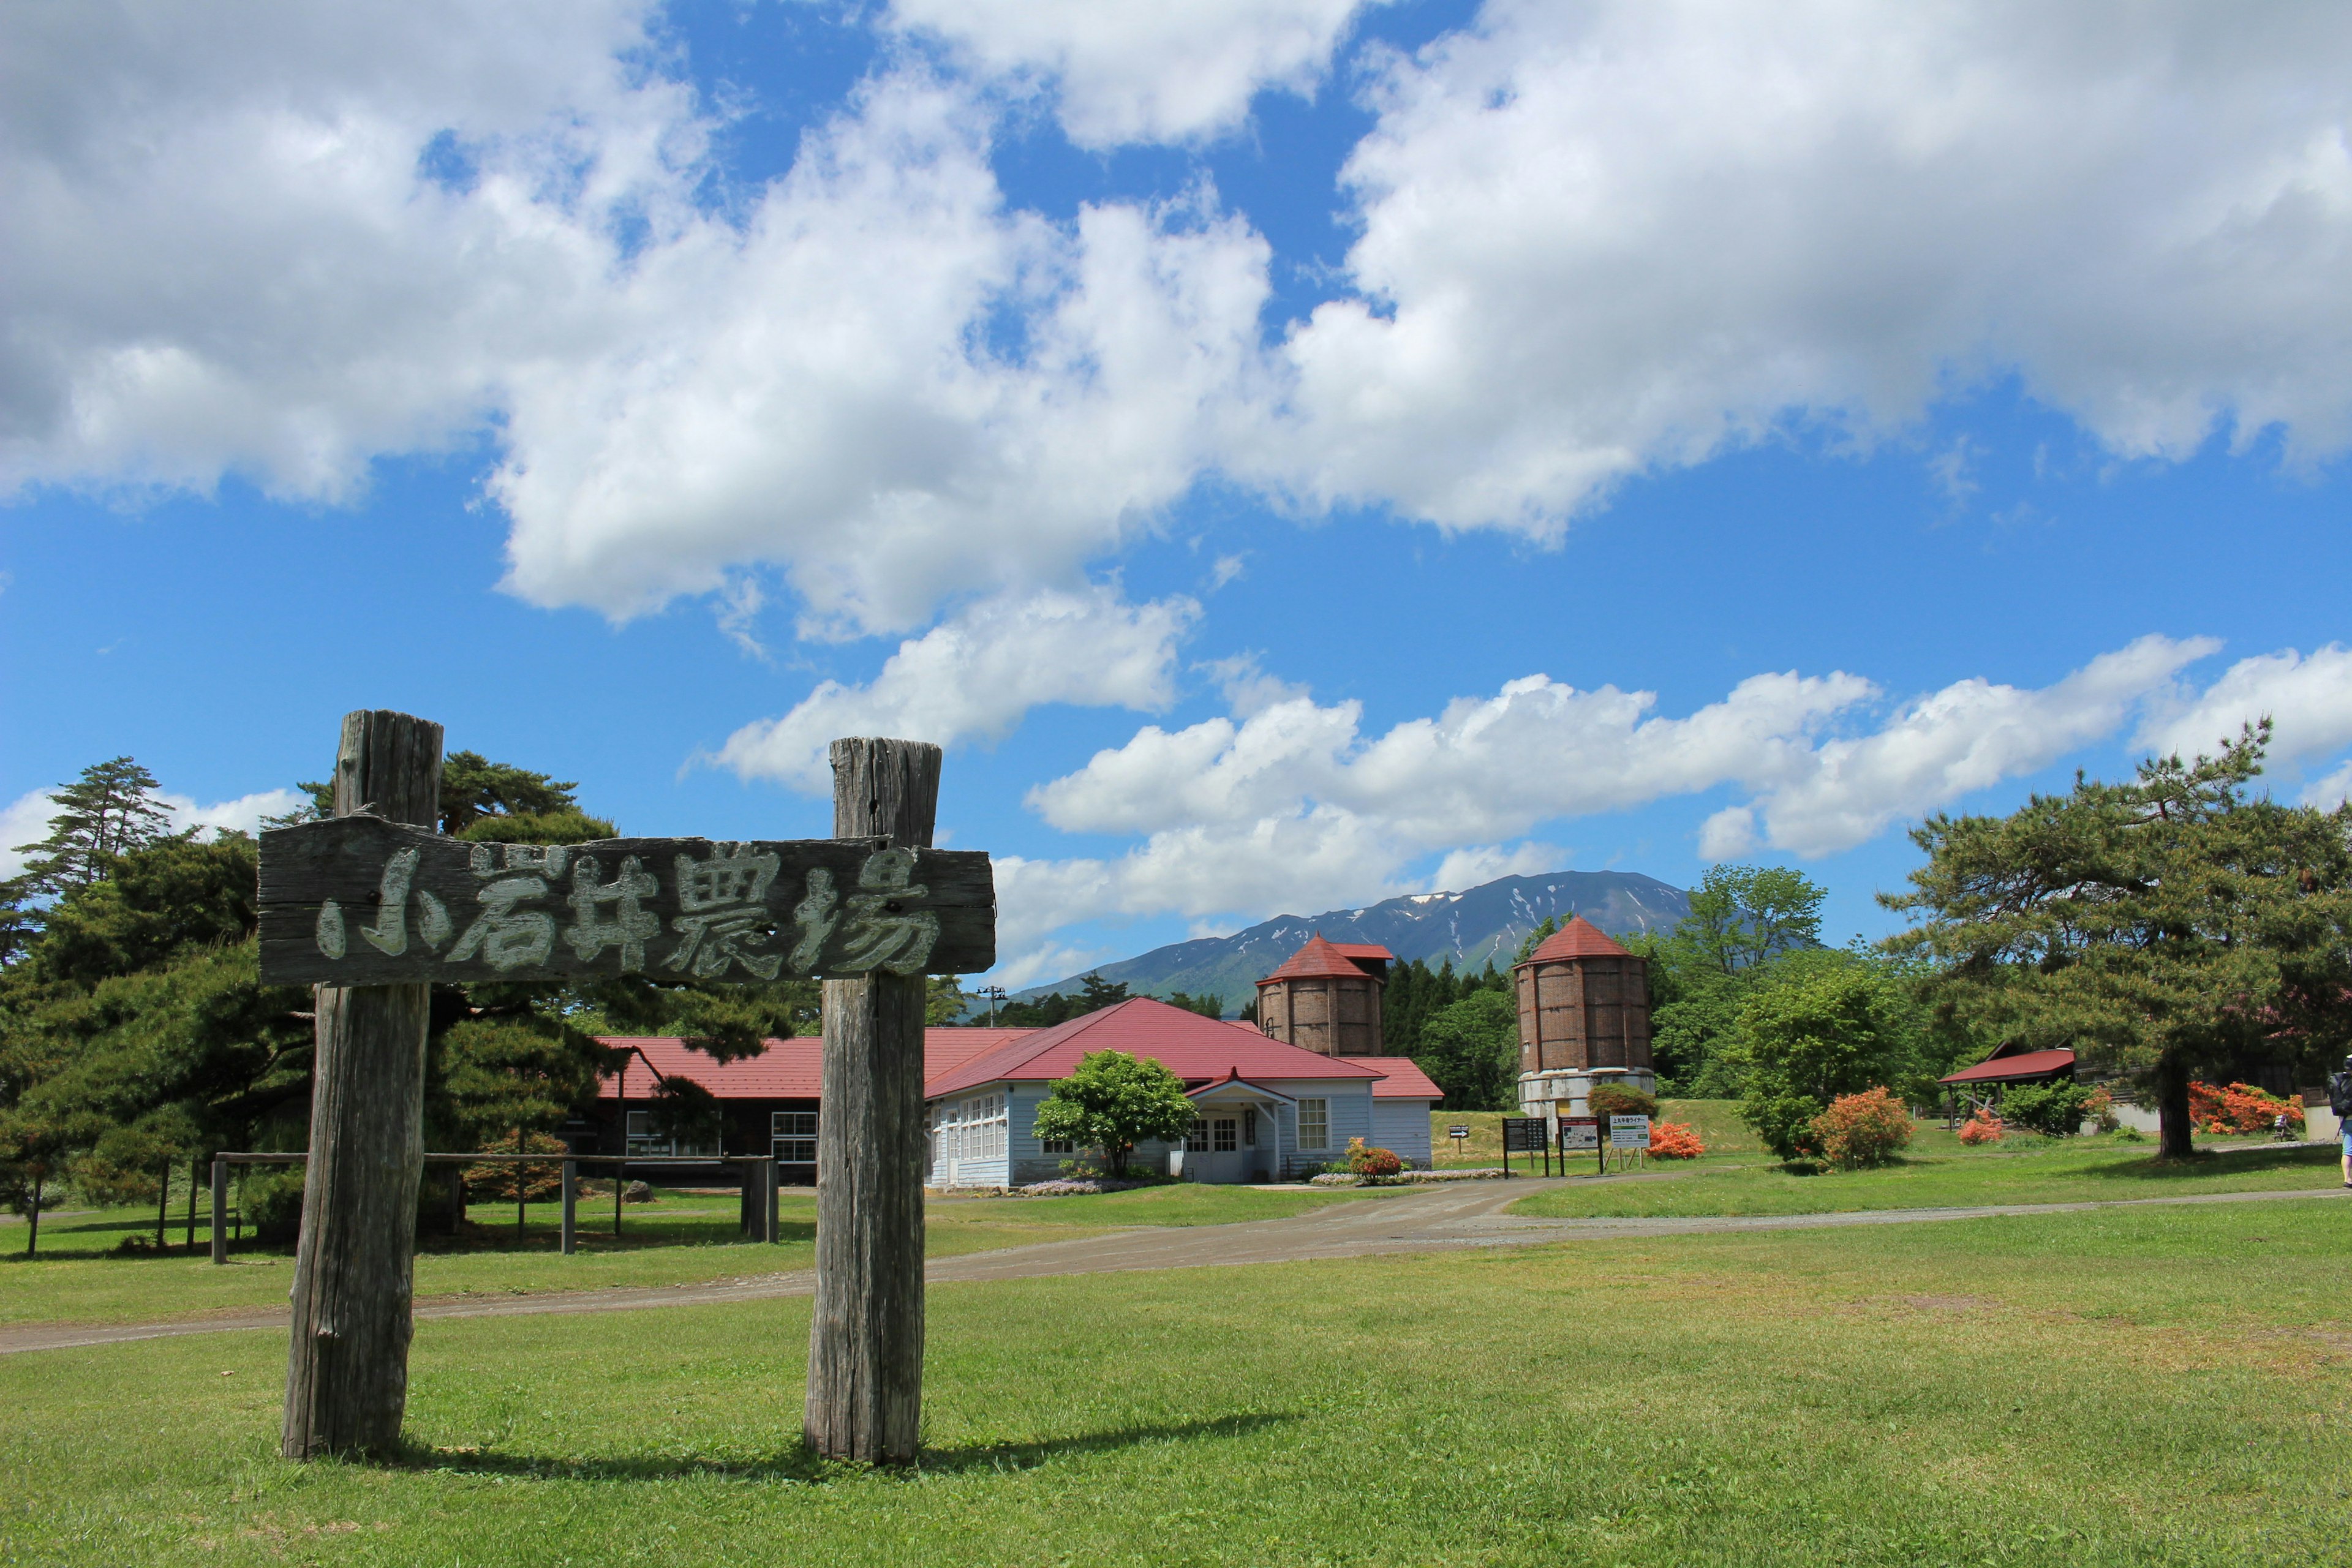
{"x": 1447, "y": 1217}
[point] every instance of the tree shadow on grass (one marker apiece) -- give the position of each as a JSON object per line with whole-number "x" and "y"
{"x": 802, "y": 1464}
{"x": 2227, "y": 1162}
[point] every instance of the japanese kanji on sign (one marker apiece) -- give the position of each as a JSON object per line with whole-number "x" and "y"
{"x": 358, "y": 900}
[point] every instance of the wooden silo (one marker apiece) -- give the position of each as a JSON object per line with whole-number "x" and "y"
{"x": 1584, "y": 1006}
{"x": 1325, "y": 998}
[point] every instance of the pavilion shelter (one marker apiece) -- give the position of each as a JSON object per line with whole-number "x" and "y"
{"x": 1982, "y": 1084}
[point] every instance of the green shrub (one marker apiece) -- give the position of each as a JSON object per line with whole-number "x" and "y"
{"x": 2054, "y": 1110}
{"x": 273, "y": 1202}
{"x": 1618, "y": 1100}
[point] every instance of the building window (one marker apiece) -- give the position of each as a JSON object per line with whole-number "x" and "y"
{"x": 1314, "y": 1124}
{"x": 641, "y": 1139}
{"x": 793, "y": 1135}
{"x": 1224, "y": 1126}
{"x": 1057, "y": 1146}
{"x": 1196, "y": 1137}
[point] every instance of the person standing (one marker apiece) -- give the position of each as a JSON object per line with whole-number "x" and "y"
{"x": 2339, "y": 1100}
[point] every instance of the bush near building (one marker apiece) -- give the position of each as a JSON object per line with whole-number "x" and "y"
{"x": 1860, "y": 1131}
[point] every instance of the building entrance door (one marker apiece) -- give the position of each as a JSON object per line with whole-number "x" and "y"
{"x": 1221, "y": 1146}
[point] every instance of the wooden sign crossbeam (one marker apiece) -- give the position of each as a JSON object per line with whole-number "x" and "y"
{"x": 360, "y": 900}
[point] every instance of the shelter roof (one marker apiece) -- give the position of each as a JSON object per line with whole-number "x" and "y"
{"x": 2009, "y": 1064}
{"x": 1400, "y": 1078}
{"x": 1580, "y": 938}
{"x": 1192, "y": 1048}
{"x": 1319, "y": 957}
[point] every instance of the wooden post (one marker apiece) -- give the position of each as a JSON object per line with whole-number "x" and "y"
{"x": 866, "y": 1334}
{"x": 571, "y": 1207}
{"x": 775, "y": 1179}
{"x": 519, "y": 1203}
{"x": 347, "y": 1366}
{"x": 164, "y": 1207}
{"x": 196, "y": 1180}
{"x": 220, "y": 1210}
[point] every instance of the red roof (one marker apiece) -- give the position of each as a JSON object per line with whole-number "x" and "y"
{"x": 2024, "y": 1064}
{"x": 1365, "y": 951}
{"x": 1400, "y": 1078}
{"x": 1318, "y": 958}
{"x": 787, "y": 1069}
{"x": 1580, "y": 938}
{"x": 1186, "y": 1044}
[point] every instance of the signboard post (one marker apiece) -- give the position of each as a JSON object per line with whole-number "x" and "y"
{"x": 1459, "y": 1134}
{"x": 1629, "y": 1138}
{"x": 374, "y": 908}
{"x": 1583, "y": 1132}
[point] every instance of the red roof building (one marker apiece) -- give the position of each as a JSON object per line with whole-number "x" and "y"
{"x": 1584, "y": 1015}
{"x": 1268, "y": 1110}
{"x": 2012, "y": 1063}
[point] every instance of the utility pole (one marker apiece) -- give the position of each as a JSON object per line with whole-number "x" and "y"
{"x": 995, "y": 994}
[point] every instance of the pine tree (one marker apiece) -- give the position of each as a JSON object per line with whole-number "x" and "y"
{"x": 110, "y": 811}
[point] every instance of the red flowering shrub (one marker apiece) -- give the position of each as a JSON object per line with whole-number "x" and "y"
{"x": 1366, "y": 1161}
{"x": 1984, "y": 1127}
{"x": 2240, "y": 1107}
{"x": 2101, "y": 1108}
{"x": 1862, "y": 1130}
{"x": 1674, "y": 1141}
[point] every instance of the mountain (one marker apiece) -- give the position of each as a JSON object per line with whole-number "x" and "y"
{"x": 1486, "y": 921}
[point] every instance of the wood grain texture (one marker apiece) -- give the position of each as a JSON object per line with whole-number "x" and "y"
{"x": 866, "y": 1332}
{"x": 347, "y": 1360}
{"x": 363, "y": 900}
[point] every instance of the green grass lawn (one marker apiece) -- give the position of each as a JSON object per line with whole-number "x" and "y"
{"x": 2146, "y": 1386}
{"x": 78, "y": 1277}
{"x": 1942, "y": 1172}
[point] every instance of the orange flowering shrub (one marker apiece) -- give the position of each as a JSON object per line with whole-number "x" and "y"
{"x": 1984, "y": 1127}
{"x": 1366, "y": 1161}
{"x": 1674, "y": 1141}
{"x": 2101, "y": 1109}
{"x": 2240, "y": 1107}
{"x": 1862, "y": 1130}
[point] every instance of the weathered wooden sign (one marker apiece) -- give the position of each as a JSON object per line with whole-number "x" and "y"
{"x": 360, "y": 901}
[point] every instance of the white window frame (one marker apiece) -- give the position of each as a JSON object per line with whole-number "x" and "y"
{"x": 792, "y": 1137}
{"x": 1314, "y": 1123}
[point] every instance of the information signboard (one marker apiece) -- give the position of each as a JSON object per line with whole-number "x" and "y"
{"x": 1523, "y": 1135}
{"x": 1629, "y": 1132}
{"x": 1579, "y": 1132}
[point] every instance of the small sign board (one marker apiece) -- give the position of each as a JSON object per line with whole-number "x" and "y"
{"x": 1523, "y": 1135}
{"x": 1629, "y": 1132}
{"x": 1579, "y": 1132}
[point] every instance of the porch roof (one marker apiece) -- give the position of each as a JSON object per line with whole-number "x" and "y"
{"x": 1236, "y": 1081}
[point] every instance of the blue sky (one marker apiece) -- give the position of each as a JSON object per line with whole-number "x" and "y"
{"x": 1289, "y": 452}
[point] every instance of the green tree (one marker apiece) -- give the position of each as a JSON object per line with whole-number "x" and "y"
{"x": 1207, "y": 1007}
{"x": 1094, "y": 993}
{"x": 1112, "y": 1102}
{"x": 1830, "y": 1025}
{"x": 1470, "y": 1048}
{"x": 108, "y": 812}
{"x": 2174, "y": 926}
{"x": 1741, "y": 915}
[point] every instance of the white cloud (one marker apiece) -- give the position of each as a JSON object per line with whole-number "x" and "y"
{"x": 1483, "y": 863}
{"x": 1141, "y": 71}
{"x": 1604, "y": 238}
{"x": 976, "y": 676}
{"x": 243, "y": 815}
{"x": 1968, "y": 736}
{"x": 1292, "y": 808}
{"x": 26, "y": 819}
{"x": 223, "y": 253}
{"x": 2309, "y": 696}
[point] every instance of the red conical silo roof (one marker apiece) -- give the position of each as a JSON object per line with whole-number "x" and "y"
{"x": 1317, "y": 958}
{"x": 1580, "y": 938}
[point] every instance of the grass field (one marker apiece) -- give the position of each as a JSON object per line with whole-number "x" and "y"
{"x": 1942, "y": 1173}
{"x": 2145, "y": 1386}
{"x": 78, "y": 1277}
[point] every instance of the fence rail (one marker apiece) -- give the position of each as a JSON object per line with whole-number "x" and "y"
{"x": 761, "y": 1210}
